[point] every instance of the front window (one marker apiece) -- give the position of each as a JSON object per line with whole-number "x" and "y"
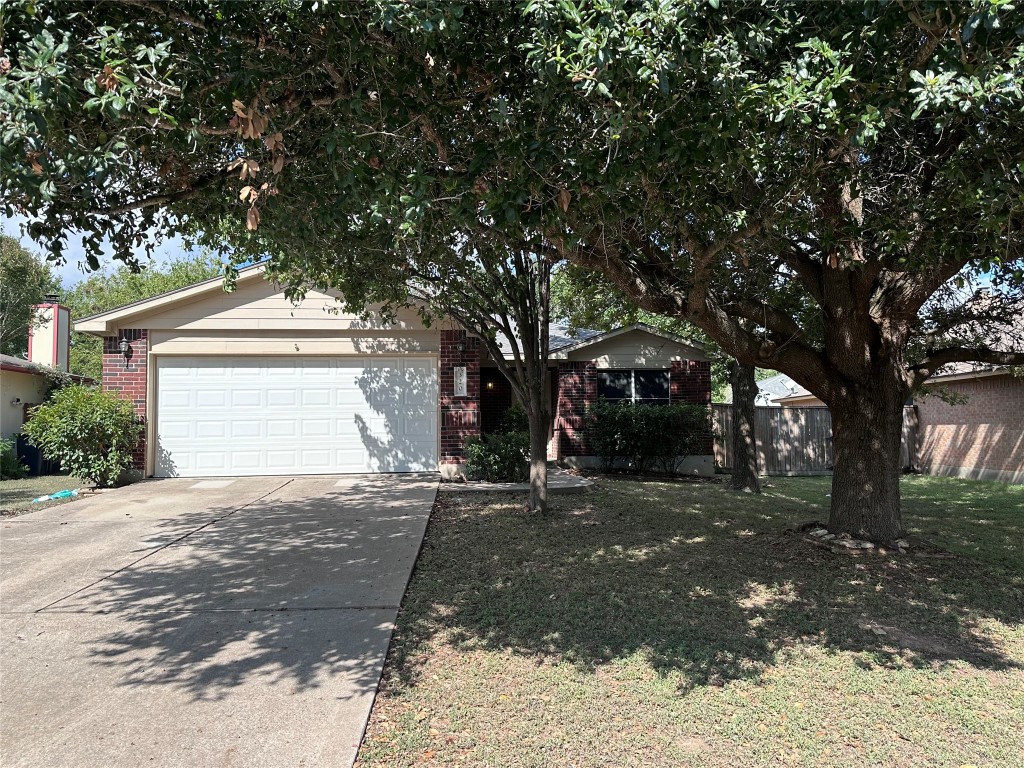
{"x": 634, "y": 386}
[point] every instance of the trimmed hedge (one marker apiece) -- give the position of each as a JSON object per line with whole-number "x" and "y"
{"x": 646, "y": 437}
{"x": 499, "y": 458}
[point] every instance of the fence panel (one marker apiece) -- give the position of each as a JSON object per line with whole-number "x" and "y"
{"x": 797, "y": 440}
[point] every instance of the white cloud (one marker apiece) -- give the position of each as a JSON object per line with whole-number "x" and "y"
{"x": 73, "y": 270}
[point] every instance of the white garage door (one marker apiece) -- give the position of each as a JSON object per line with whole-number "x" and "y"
{"x": 301, "y": 415}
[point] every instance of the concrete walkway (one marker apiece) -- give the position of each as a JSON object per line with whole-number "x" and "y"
{"x": 199, "y": 623}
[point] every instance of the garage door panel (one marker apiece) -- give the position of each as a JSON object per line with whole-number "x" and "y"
{"x": 246, "y": 398}
{"x": 176, "y": 429}
{"x": 283, "y": 398}
{"x": 296, "y": 415}
{"x": 211, "y": 398}
{"x": 246, "y": 428}
{"x": 316, "y": 427}
{"x": 174, "y": 399}
{"x": 216, "y": 429}
{"x": 282, "y": 428}
{"x": 245, "y": 460}
{"x": 422, "y": 426}
{"x": 211, "y": 461}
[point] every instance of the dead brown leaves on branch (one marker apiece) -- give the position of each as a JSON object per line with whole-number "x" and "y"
{"x": 249, "y": 121}
{"x": 107, "y": 79}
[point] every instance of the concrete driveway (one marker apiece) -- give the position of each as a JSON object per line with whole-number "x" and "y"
{"x": 203, "y": 622}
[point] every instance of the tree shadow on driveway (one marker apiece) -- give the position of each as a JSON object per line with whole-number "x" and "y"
{"x": 290, "y": 590}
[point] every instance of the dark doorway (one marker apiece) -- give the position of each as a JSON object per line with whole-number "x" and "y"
{"x": 495, "y": 399}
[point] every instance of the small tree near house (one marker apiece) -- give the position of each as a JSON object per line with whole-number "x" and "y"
{"x": 493, "y": 285}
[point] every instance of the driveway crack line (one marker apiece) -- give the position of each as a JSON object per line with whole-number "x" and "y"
{"x": 159, "y": 549}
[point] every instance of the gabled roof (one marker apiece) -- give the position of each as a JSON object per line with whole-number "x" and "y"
{"x": 562, "y": 352}
{"x": 101, "y": 322}
{"x": 775, "y": 388}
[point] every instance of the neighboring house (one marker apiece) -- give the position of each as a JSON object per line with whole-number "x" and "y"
{"x": 774, "y": 389}
{"x": 23, "y": 383}
{"x": 246, "y": 383}
{"x": 976, "y": 431}
{"x": 980, "y": 434}
{"x": 23, "y": 386}
{"x": 799, "y": 397}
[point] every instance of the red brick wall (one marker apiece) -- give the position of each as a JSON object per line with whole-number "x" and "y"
{"x": 128, "y": 378}
{"x": 577, "y": 389}
{"x": 460, "y": 416}
{"x": 983, "y": 437}
{"x": 690, "y": 381}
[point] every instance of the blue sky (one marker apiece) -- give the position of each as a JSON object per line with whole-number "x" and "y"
{"x": 72, "y": 270}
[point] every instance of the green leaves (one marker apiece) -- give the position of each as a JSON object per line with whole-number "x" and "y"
{"x": 91, "y": 433}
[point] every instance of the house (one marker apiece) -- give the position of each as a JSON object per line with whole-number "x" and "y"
{"x": 967, "y": 422}
{"x": 975, "y": 428}
{"x": 775, "y": 389}
{"x": 24, "y": 382}
{"x": 247, "y": 383}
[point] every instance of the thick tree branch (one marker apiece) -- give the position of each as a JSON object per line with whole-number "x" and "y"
{"x": 166, "y": 198}
{"x": 942, "y": 357}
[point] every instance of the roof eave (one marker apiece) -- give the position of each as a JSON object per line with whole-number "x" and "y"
{"x": 562, "y": 353}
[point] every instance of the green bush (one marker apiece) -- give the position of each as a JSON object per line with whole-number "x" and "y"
{"x": 646, "y": 437}
{"x": 499, "y": 458}
{"x": 515, "y": 419}
{"x": 90, "y": 432}
{"x": 11, "y": 467}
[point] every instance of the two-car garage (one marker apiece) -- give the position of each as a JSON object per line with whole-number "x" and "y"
{"x": 248, "y": 382}
{"x": 295, "y": 415}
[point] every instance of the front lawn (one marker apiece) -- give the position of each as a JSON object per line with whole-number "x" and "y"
{"x": 661, "y": 624}
{"x": 16, "y": 495}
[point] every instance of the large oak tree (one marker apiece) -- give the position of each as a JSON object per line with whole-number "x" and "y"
{"x": 819, "y": 187}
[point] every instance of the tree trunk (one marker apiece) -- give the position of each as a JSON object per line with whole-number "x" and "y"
{"x": 538, "y": 416}
{"x": 867, "y": 427}
{"x": 744, "y": 444}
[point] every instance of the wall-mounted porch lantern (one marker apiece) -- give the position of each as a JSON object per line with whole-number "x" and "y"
{"x": 126, "y": 350}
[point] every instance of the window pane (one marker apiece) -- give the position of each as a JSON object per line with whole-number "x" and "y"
{"x": 614, "y": 385}
{"x": 651, "y": 386}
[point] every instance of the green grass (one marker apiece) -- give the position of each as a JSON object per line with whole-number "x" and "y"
{"x": 654, "y": 623}
{"x": 16, "y": 495}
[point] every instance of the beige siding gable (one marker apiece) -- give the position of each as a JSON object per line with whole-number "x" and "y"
{"x": 258, "y": 305}
{"x": 636, "y": 349}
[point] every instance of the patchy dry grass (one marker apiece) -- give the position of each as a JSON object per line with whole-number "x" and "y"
{"x": 16, "y": 495}
{"x": 659, "y": 624}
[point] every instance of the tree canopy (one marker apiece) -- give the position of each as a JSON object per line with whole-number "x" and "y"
{"x": 24, "y": 280}
{"x": 823, "y": 188}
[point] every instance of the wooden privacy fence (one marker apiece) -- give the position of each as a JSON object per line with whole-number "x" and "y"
{"x": 797, "y": 440}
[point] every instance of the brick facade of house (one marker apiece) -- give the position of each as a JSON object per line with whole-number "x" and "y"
{"x": 460, "y": 416}
{"x": 576, "y": 390}
{"x": 129, "y": 377}
{"x": 980, "y": 438}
